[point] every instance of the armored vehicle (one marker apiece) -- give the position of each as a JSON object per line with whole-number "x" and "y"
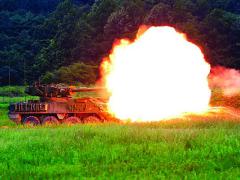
{"x": 56, "y": 105}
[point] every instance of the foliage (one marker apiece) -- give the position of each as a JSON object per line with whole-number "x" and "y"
{"x": 36, "y": 6}
{"x": 78, "y": 72}
{"x": 38, "y": 37}
{"x": 12, "y": 91}
{"x": 124, "y": 22}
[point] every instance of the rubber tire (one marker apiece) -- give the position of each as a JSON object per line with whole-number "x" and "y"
{"x": 72, "y": 120}
{"x": 92, "y": 119}
{"x": 50, "y": 120}
{"x": 31, "y": 120}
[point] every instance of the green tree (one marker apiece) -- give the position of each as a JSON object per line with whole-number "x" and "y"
{"x": 99, "y": 13}
{"x": 73, "y": 74}
{"x": 124, "y": 22}
{"x": 160, "y": 14}
{"x": 222, "y": 37}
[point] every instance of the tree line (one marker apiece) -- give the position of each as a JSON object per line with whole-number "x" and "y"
{"x": 64, "y": 41}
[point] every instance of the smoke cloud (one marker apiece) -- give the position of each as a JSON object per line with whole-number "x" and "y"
{"x": 228, "y": 80}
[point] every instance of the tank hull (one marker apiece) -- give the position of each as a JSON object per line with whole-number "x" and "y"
{"x": 60, "y": 110}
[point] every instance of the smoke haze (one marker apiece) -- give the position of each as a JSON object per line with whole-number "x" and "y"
{"x": 226, "y": 79}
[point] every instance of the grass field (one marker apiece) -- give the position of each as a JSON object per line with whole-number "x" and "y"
{"x": 195, "y": 147}
{"x": 202, "y": 150}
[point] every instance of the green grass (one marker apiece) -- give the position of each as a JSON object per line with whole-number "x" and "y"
{"x": 4, "y": 120}
{"x": 175, "y": 149}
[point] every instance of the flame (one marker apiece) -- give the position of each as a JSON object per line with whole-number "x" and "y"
{"x": 159, "y": 75}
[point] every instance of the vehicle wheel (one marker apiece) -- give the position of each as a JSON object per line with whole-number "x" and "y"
{"x": 92, "y": 119}
{"x": 31, "y": 120}
{"x": 50, "y": 120}
{"x": 72, "y": 120}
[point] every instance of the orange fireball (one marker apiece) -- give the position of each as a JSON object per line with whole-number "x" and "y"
{"x": 158, "y": 76}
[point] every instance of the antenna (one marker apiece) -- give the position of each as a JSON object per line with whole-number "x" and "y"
{"x": 9, "y": 80}
{"x": 24, "y": 72}
{"x": 24, "y": 77}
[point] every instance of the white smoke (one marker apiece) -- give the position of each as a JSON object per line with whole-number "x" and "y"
{"x": 228, "y": 80}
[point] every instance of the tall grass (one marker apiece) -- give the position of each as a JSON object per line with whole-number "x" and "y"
{"x": 4, "y": 120}
{"x": 111, "y": 151}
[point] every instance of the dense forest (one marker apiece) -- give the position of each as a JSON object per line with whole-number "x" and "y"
{"x": 64, "y": 41}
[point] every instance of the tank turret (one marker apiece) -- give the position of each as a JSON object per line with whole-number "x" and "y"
{"x": 56, "y": 90}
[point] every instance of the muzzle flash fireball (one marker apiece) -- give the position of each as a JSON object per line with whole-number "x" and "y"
{"x": 159, "y": 75}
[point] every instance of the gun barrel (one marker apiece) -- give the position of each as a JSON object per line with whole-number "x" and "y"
{"x": 85, "y": 89}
